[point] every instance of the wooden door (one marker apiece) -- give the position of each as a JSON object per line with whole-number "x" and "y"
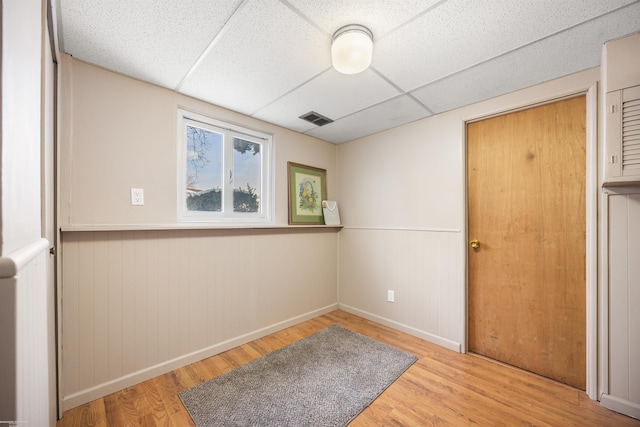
{"x": 526, "y": 208}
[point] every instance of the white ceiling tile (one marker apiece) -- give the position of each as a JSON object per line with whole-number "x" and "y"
{"x": 386, "y": 115}
{"x": 568, "y": 52}
{"x": 380, "y": 16}
{"x": 152, "y": 40}
{"x": 271, "y": 58}
{"x": 266, "y": 51}
{"x": 331, "y": 94}
{"x": 461, "y": 33}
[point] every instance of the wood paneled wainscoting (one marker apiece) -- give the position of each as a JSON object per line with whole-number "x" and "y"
{"x": 24, "y": 348}
{"x": 442, "y": 388}
{"x": 140, "y": 303}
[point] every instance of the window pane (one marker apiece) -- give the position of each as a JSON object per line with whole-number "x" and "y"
{"x": 204, "y": 170}
{"x": 225, "y": 172}
{"x": 247, "y": 169}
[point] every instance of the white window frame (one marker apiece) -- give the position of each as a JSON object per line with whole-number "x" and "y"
{"x": 229, "y": 130}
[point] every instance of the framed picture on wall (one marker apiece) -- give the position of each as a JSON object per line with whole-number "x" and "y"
{"x": 307, "y": 190}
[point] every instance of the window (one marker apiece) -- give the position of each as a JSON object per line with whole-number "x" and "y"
{"x": 225, "y": 172}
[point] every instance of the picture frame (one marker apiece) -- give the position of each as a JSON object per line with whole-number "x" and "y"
{"x": 307, "y": 189}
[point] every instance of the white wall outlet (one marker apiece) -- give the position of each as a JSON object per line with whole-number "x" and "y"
{"x": 137, "y": 197}
{"x": 391, "y": 297}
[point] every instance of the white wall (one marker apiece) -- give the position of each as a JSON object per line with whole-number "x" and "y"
{"x": 144, "y": 295}
{"x": 119, "y": 133}
{"x": 26, "y": 304}
{"x": 402, "y": 200}
{"x": 21, "y": 125}
{"x": 141, "y": 303}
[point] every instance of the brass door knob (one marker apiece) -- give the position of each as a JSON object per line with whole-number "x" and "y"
{"x": 475, "y": 244}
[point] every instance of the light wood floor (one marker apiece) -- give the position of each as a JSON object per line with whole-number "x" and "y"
{"x": 441, "y": 388}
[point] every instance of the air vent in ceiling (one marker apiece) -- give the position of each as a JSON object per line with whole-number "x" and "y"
{"x": 316, "y": 119}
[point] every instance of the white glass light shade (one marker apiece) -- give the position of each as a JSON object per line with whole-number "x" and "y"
{"x": 351, "y": 49}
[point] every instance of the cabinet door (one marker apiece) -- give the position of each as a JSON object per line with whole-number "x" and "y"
{"x": 622, "y": 136}
{"x": 631, "y": 132}
{"x": 623, "y": 394}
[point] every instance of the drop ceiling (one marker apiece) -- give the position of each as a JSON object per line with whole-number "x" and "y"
{"x": 270, "y": 59}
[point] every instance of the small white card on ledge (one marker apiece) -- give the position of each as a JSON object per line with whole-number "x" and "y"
{"x": 330, "y": 212}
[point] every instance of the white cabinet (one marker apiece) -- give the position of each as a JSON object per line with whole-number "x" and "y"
{"x": 620, "y": 304}
{"x": 622, "y": 136}
{"x": 621, "y": 84}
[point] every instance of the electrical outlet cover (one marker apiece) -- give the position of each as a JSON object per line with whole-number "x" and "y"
{"x": 137, "y": 197}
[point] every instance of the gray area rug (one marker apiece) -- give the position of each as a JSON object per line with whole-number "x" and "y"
{"x": 325, "y": 379}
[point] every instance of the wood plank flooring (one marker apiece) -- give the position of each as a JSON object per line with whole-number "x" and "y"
{"x": 441, "y": 388}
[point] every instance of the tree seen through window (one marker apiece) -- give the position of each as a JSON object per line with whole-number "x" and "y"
{"x": 205, "y": 177}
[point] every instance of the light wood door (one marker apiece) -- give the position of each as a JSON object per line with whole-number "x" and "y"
{"x": 526, "y": 208}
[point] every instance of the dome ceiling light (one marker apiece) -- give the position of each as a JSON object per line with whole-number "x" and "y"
{"x": 352, "y": 49}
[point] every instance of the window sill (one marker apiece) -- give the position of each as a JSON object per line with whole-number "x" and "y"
{"x": 191, "y": 226}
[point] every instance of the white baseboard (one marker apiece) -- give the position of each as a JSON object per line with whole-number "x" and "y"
{"x": 626, "y": 407}
{"x": 101, "y": 390}
{"x": 436, "y": 339}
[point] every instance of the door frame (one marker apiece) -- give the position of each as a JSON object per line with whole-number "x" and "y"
{"x": 591, "y": 242}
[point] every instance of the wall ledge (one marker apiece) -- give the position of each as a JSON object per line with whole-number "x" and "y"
{"x": 12, "y": 264}
{"x": 391, "y": 228}
{"x": 191, "y": 226}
